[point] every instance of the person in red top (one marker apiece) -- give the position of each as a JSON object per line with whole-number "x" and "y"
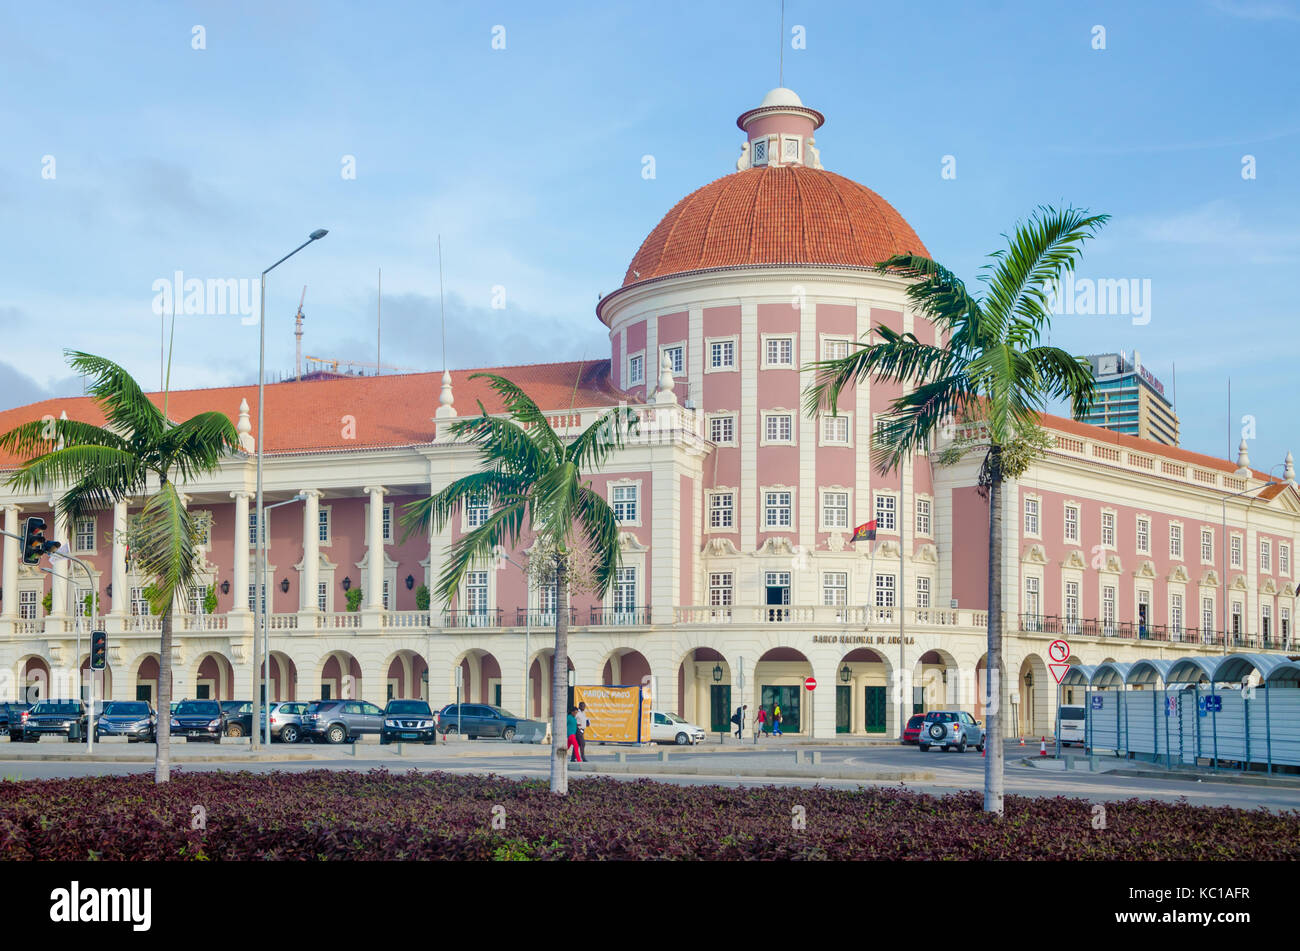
{"x": 759, "y": 719}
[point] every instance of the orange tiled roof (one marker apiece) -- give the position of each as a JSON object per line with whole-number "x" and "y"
{"x": 387, "y": 410}
{"x": 774, "y": 215}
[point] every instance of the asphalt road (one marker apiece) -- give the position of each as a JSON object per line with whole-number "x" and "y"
{"x": 952, "y": 771}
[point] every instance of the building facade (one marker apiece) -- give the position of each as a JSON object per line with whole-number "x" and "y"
{"x": 738, "y": 581}
{"x": 1131, "y": 400}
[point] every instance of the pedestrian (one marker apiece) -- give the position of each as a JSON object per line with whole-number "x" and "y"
{"x": 584, "y": 721}
{"x": 737, "y": 719}
{"x": 572, "y": 728}
{"x": 759, "y": 719}
{"x": 776, "y": 719}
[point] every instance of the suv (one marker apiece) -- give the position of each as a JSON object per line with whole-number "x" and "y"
{"x": 338, "y": 721}
{"x": 61, "y": 717}
{"x": 952, "y": 730}
{"x": 286, "y": 720}
{"x": 12, "y": 718}
{"x": 239, "y": 717}
{"x": 477, "y": 720}
{"x": 198, "y": 720}
{"x": 134, "y": 720}
{"x": 408, "y": 720}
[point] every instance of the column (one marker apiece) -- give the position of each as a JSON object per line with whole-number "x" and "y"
{"x": 310, "y": 550}
{"x": 121, "y": 596}
{"x": 12, "y": 554}
{"x": 241, "y": 552}
{"x": 375, "y": 553}
{"x": 59, "y": 587}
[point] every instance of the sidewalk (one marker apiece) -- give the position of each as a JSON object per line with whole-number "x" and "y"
{"x": 1120, "y": 766}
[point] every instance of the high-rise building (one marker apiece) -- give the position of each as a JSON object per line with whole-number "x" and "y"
{"x": 1130, "y": 399}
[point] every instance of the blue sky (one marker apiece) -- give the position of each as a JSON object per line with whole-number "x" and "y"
{"x": 528, "y": 161}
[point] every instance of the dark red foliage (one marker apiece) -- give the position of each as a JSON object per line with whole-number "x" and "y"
{"x": 381, "y": 815}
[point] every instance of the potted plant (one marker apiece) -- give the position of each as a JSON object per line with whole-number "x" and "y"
{"x": 354, "y": 599}
{"x": 422, "y": 598}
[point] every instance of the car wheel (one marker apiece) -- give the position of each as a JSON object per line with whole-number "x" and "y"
{"x": 384, "y": 739}
{"x": 979, "y": 747}
{"x": 235, "y": 729}
{"x": 452, "y": 729}
{"x": 961, "y": 746}
{"x": 682, "y": 739}
{"x": 924, "y": 747}
{"x": 289, "y": 734}
{"x": 508, "y": 733}
{"x": 217, "y": 738}
{"x": 336, "y": 734}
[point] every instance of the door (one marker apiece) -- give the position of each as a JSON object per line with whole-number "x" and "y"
{"x": 144, "y": 692}
{"x": 719, "y": 707}
{"x": 372, "y": 717}
{"x": 660, "y": 727}
{"x": 353, "y": 718}
{"x": 788, "y": 698}
{"x": 875, "y": 709}
{"x": 843, "y": 709}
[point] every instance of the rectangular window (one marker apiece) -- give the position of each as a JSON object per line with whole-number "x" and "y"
{"x": 922, "y": 592}
{"x": 1284, "y": 616}
{"x": 322, "y": 596}
{"x": 1071, "y": 523}
{"x": 1284, "y": 560}
{"x": 923, "y": 517}
{"x": 387, "y": 517}
{"x": 625, "y": 591}
{"x": 635, "y": 370}
{"x": 835, "y": 429}
{"x": 1108, "y": 609}
{"x": 476, "y": 592}
{"x": 625, "y": 502}
{"x": 1108, "y": 529}
{"x": 197, "y": 596}
{"x": 27, "y": 605}
{"x": 778, "y": 427}
{"x": 1144, "y": 536}
{"x": 722, "y": 429}
{"x": 1207, "y": 614}
{"x": 1072, "y": 600}
{"x": 139, "y": 603}
{"x": 722, "y": 354}
{"x": 252, "y": 596}
{"x": 780, "y": 351}
{"x": 1175, "y": 541}
{"x": 252, "y": 529}
{"x": 476, "y": 511}
{"x": 1265, "y": 555}
{"x": 835, "y": 509}
{"x": 1033, "y": 606}
{"x": 676, "y": 358}
{"x": 884, "y": 591}
{"x": 835, "y": 349}
{"x": 1234, "y": 551}
{"x": 777, "y": 507}
{"x": 323, "y": 525}
{"x": 1031, "y": 516}
{"x": 1207, "y": 545}
{"x": 1236, "y": 617}
{"x": 85, "y": 534}
{"x": 385, "y": 598}
{"x": 886, "y": 506}
{"x": 1176, "y": 615}
{"x": 1266, "y": 620}
{"x": 720, "y": 588}
{"x": 721, "y": 508}
{"x": 835, "y": 588}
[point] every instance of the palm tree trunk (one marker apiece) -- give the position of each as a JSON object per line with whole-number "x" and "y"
{"x": 162, "y": 756}
{"x": 560, "y": 685}
{"x": 993, "y": 749}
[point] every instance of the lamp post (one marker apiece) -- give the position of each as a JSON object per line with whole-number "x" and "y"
{"x": 261, "y": 441}
{"x": 1226, "y": 567}
{"x": 264, "y": 578}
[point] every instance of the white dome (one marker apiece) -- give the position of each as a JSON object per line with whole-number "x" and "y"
{"x": 780, "y": 96}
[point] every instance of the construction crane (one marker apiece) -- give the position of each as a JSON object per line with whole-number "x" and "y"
{"x": 297, "y": 332}
{"x": 334, "y": 365}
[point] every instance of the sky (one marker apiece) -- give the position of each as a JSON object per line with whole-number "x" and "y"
{"x": 138, "y": 140}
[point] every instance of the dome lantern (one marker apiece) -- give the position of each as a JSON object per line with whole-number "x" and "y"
{"x": 779, "y": 132}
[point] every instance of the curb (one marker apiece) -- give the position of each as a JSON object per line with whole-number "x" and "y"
{"x": 776, "y": 771}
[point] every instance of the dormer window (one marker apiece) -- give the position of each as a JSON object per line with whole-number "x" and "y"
{"x": 790, "y": 148}
{"x": 760, "y": 151}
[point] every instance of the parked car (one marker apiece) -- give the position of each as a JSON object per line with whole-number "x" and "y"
{"x": 912, "y": 731}
{"x": 338, "y": 721}
{"x": 56, "y": 718}
{"x": 951, "y": 729}
{"x": 12, "y": 718}
{"x": 134, "y": 719}
{"x": 478, "y": 720}
{"x": 1072, "y": 728}
{"x": 239, "y": 717}
{"x": 408, "y": 720}
{"x": 198, "y": 720}
{"x": 670, "y": 728}
{"x": 286, "y": 720}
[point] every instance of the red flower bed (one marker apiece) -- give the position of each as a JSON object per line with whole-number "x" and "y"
{"x": 381, "y": 815}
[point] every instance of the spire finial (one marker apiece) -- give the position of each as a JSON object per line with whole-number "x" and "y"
{"x": 245, "y": 429}
{"x": 1243, "y": 459}
{"x": 446, "y": 409}
{"x": 665, "y": 392}
{"x": 1289, "y": 472}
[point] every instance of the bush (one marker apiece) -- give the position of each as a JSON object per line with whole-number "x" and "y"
{"x": 210, "y": 601}
{"x": 422, "y": 598}
{"x": 354, "y": 599}
{"x": 379, "y": 815}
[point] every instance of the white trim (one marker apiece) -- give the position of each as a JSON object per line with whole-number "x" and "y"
{"x": 722, "y": 414}
{"x": 1037, "y": 499}
{"x": 734, "y": 366}
{"x": 1138, "y": 519}
{"x": 848, "y": 429}
{"x": 1199, "y": 539}
{"x": 763, "y": 362}
{"x": 916, "y": 514}
{"x": 708, "y": 511}
{"x": 767, "y": 526}
{"x": 664, "y": 348}
{"x": 793, "y": 416}
{"x": 824, "y": 339}
{"x": 94, "y": 537}
{"x": 628, "y": 382}
{"x": 822, "y": 524}
{"x": 640, "y": 499}
{"x": 1182, "y": 541}
{"x": 1071, "y": 505}
{"x": 1101, "y": 529}
{"x": 875, "y": 509}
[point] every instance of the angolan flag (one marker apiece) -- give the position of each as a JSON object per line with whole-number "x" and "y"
{"x": 865, "y": 532}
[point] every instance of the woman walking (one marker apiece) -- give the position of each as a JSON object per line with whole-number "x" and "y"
{"x": 572, "y": 728}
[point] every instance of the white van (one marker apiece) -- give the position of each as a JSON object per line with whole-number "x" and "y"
{"x": 1072, "y": 725}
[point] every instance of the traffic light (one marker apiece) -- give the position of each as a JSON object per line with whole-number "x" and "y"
{"x": 98, "y": 650}
{"x": 34, "y": 543}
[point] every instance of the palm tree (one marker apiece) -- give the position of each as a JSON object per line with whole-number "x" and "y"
{"x": 992, "y": 369}
{"x": 532, "y": 481}
{"x": 136, "y": 448}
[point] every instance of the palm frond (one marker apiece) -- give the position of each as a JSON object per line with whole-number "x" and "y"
{"x": 163, "y": 547}
{"x": 478, "y": 547}
{"x": 913, "y": 417}
{"x": 553, "y": 504}
{"x": 897, "y": 358}
{"x": 125, "y": 405}
{"x": 1064, "y": 377}
{"x": 42, "y": 436}
{"x": 599, "y": 530}
{"x": 605, "y": 435}
{"x": 501, "y": 440}
{"x": 198, "y": 445}
{"x": 116, "y": 471}
{"x": 434, "y": 512}
{"x": 525, "y": 412}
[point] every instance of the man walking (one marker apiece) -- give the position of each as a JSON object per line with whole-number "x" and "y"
{"x": 759, "y": 719}
{"x": 584, "y": 722}
{"x": 739, "y": 720}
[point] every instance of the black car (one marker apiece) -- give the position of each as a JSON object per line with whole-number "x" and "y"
{"x": 134, "y": 720}
{"x": 239, "y": 717}
{"x": 481, "y": 720}
{"x": 12, "y": 718}
{"x": 408, "y": 720}
{"x": 198, "y": 720}
{"x": 58, "y": 718}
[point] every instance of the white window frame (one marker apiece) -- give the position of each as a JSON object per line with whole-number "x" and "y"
{"x": 323, "y": 596}
{"x": 679, "y": 364}
{"x": 617, "y": 608}
{"x": 1070, "y": 621}
{"x": 1109, "y": 608}
{"x": 635, "y": 485}
{"x": 1208, "y": 612}
{"x": 386, "y": 522}
{"x": 722, "y": 589}
{"x": 831, "y": 340}
{"x": 767, "y": 364}
{"x": 711, "y": 417}
{"x": 1113, "y": 528}
{"x": 786, "y": 142}
{"x": 1266, "y": 628}
{"x": 1266, "y": 555}
{"x": 1071, "y": 508}
{"x": 891, "y": 511}
{"x": 1177, "y": 613}
{"x": 1176, "y": 541}
{"x": 730, "y": 493}
{"x": 844, "y": 419}
{"x": 838, "y": 490}
{"x": 1236, "y": 550}
{"x": 923, "y": 590}
{"x": 468, "y": 609}
{"x": 924, "y": 530}
{"x": 1141, "y": 525}
{"x": 467, "y": 521}
{"x": 1207, "y": 559}
{"x": 768, "y": 524}
{"x": 733, "y": 366}
{"x": 92, "y": 549}
{"x": 1284, "y": 559}
{"x": 760, "y": 157}
{"x": 1034, "y": 502}
{"x": 631, "y": 378}
{"x": 835, "y": 584}
{"x": 325, "y": 514}
{"x": 1033, "y": 591}
{"x": 887, "y": 593}
{"x": 29, "y": 604}
{"x": 765, "y": 440}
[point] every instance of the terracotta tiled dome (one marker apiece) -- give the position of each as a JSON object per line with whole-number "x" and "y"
{"x": 790, "y": 214}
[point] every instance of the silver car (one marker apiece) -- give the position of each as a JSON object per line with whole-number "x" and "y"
{"x": 951, "y": 730}
{"x": 286, "y": 720}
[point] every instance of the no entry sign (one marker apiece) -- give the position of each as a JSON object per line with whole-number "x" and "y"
{"x": 810, "y": 683}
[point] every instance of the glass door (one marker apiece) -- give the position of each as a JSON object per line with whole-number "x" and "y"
{"x": 720, "y": 708}
{"x": 875, "y": 709}
{"x": 843, "y": 709}
{"x": 788, "y": 698}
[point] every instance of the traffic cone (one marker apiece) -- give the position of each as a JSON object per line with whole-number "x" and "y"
{"x": 1042, "y": 747}
{"x": 1022, "y": 740}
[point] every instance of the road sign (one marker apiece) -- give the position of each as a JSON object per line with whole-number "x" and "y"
{"x": 1200, "y": 706}
{"x": 1096, "y": 702}
{"x": 810, "y": 683}
{"x": 1059, "y": 651}
{"x": 1171, "y": 706}
{"x": 1214, "y": 704}
{"x": 1058, "y": 670}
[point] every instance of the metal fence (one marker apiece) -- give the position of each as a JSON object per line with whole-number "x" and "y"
{"x": 1238, "y": 711}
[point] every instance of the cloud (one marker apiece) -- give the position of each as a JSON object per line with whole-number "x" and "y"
{"x": 19, "y": 389}
{"x": 1220, "y": 224}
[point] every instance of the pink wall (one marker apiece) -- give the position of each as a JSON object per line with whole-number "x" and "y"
{"x": 686, "y": 552}
{"x": 970, "y": 544}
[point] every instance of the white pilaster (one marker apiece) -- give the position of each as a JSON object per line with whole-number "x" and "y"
{"x": 748, "y": 427}
{"x": 375, "y": 559}
{"x": 121, "y": 597}
{"x": 241, "y": 552}
{"x": 310, "y": 550}
{"x": 807, "y": 582}
{"x": 59, "y": 587}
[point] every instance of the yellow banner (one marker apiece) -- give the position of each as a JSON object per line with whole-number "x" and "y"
{"x": 617, "y": 714}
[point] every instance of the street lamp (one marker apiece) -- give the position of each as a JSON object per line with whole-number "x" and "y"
{"x": 1226, "y": 567}
{"x": 846, "y": 674}
{"x": 261, "y": 442}
{"x": 717, "y": 673}
{"x": 263, "y": 580}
